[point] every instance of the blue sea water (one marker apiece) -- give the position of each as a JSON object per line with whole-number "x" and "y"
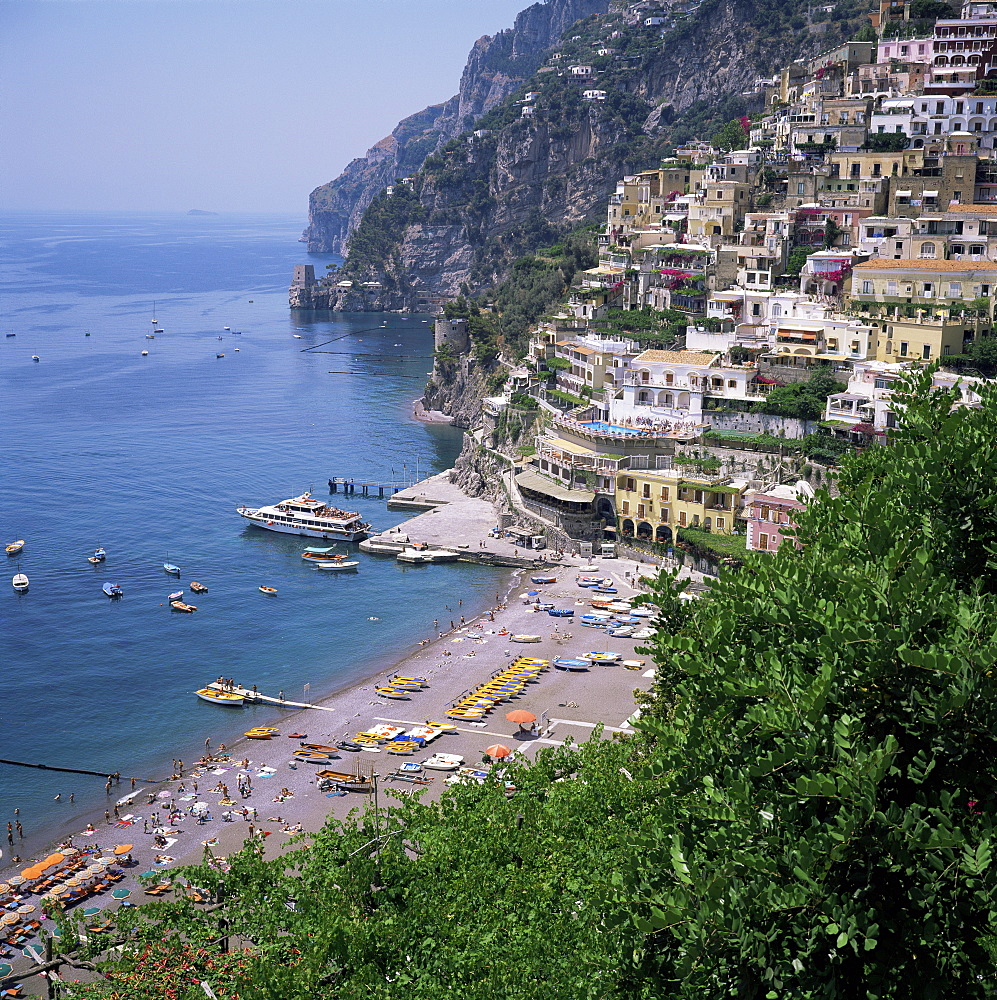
{"x": 149, "y": 457}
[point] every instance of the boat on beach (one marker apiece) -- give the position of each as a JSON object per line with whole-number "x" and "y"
{"x": 305, "y": 515}
{"x": 220, "y": 697}
{"x": 112, "y": 590}
{"x": 524, "y": 638}
{"x": 15, "y": 547}
{"x": 99, "y": 555}
{"x": 565, "y": 663}
{"x": 400, "y": 694}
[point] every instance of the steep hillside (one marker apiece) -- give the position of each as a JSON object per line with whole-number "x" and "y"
{"x": 485, "y": 198}
{"x": 496, "y": 66}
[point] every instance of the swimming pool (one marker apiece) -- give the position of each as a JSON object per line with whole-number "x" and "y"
{"x": 601, "y": 425}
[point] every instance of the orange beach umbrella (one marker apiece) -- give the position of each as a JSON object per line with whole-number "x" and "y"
{"x": 498, "y": 750}
{"x": 123, "y": 848}
{"x": 521, "y": 716}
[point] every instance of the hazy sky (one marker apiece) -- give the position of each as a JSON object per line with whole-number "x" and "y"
{"x": 224, "y": 105}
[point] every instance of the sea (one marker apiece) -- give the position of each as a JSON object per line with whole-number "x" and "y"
{"x": 149, "y": 456}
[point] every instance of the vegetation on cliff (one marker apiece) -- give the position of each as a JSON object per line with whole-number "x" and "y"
{"x": 807, "y": 811}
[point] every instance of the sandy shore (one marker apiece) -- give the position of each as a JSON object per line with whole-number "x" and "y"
{"x": 568, "y": 705}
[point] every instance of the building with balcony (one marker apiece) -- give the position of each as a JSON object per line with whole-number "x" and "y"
{"x": 651, "y": 505}
{"x": 769, "y": 514}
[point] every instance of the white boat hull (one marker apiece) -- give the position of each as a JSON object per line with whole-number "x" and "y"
{"x": 339, "y": 567}
{"x": 332, "y": 531}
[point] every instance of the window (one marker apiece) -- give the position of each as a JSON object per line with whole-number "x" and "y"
{"x": 630, "y": 485}
{"x": 646, "y": 491}
{"x": 663, "y": 516}
{"x": 665, "y": 493}
{"x": 975, "y": 248}
{"x": 721, "y": 523}
{"x": 903, "y": 348}
{"x": 800, "y": 187}
{"x": 641, "y": 510}
{"x": 958, "y": 248}
{"x": 926, "y": 351}
{"x": 764, "y": 513}
{"x": 927, "y": 249}
{"x": 867, "y": 288}
{"x": 625, "y": 507}
{"x": 731, "y": 383}
{"x": 955, "y": 289}
{"x": 776, "y": 309}
{"x": 682, "y": 518}
{"x": 856, "y": 168}
{"x": 891, "y": 288}
{"x": 763, "y": 543}
{"x": 927, "y": 288}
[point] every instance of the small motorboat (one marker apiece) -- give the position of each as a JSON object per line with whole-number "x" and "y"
{"x": 418, "y": 681}
{"x": 187, "y": 609}
{"x": 219, "y": 355}
{"x": 604, "y": 590}
{"x": 524, "y": 638}
{"x": 34, "y": 357}
{"x": 564, "y": 663}
{"x": 220, "y": 697}
{"x": 15, "y": 547}
{"x": 20, "y": 581}
{"x": 198, "y": 588}
{"x": 349, "y": 745}
{"x": 443, "y": 762}
{"x": 543, "y": 579}
{"x": 170, "y": 568}
{"x": 297, "y": 736}
{"x": 99, "y": 555}
{"x": 634, "y": 664}
{"x": 145, "y": 354}
{"x": 177, "y": 595}
{"x": 268, "y": 590}
{"x": 560, "y": 612}
{"x": 297, "y": 336}
{"x": 347, "y": 566}
{"x": 261, "y": 734}
{"x": 112, "y": 590}
{"x": 150, "y": 336}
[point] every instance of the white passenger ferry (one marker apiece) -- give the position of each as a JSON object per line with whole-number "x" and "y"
{"x": 304, "y": 515}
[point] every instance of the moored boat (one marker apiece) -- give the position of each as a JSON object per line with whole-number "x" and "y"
{"x": 268, "y": 590}
{"x": 220, "y": 697}
{"x": 346, "y": 566}
{"x": 198, "y": 588}
{"x": 99, "y": 555}
{"x": 305, "y": 515}
{"x": 20, "y": 581}
{"x": 15, "y": 547}
{"x": 177, "y": 595}
{"x": 112, "y": 590}
{"x": 169, "y": 567}
{"x": 326, "y": 554}
{"x": 187, "y": 609}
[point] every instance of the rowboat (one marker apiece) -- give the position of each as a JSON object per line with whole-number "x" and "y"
{"x": 600, "y": 656}
{"x": 319, "y": 748}
{"x": 268, "y": 590}
{"x": 604, "y": 590}
{"x": 264, "y": 730}
{"x": 524, "y": 638}
{"x": 112, "y": 590}
{"x": 312, "y": 757}
{"x": 346, "y": 566}
{"x": 314, "y": 552}
{"x": 99, "y": 555}
{"x": 543, "y": 579}
{"x": 391, "y": 692}
{"x": 177, "y": 595}
{"x": 219, "y": 697}
{"x": 561, "y": 612}
{"x": 187, "y": 609}
{"x": 20, "y": 582}
{"x": 198, "y": 588}
{"x": 568, "y": 664}
{"x": 15, "y": 547}
{"x": 420, "y": 681}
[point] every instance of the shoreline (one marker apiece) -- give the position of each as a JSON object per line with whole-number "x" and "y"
{"x": 567, "y": 704}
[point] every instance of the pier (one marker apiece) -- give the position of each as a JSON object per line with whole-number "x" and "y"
{"x": 349, "y": 486}
{"x": 255, "y": 696}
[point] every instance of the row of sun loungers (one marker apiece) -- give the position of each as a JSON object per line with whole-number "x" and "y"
{"x": 504, "y": 685}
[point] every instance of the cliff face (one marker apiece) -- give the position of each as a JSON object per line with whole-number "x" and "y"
{"x": 496, "y": 66}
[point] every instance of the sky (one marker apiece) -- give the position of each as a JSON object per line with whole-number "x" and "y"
{"x": 219, "y": 105}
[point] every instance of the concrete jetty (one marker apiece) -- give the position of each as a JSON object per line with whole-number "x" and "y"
{"x": 248, "y": 694}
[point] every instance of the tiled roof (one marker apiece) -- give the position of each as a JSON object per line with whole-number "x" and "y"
{"x": 975, "y": 209}
{"x": 677, "y": 358}
{"x": 883, "y": 264}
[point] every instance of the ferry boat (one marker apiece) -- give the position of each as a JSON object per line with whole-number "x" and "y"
{"x": 304, "y": 515}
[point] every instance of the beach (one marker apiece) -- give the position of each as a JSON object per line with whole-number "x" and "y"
{"x": 284, "y": 795}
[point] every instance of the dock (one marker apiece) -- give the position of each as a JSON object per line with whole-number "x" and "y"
{"x": 349, "y": 486}
{"x": 255, "y": 697}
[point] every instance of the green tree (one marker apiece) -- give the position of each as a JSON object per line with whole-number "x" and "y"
{"x": 731, "y": 136}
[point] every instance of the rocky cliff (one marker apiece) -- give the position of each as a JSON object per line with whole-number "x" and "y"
{"x": 496, "y": 66}
{"x": 611, "y": 98}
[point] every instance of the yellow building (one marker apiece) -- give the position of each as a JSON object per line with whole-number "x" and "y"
{"x": 652, "y": 503}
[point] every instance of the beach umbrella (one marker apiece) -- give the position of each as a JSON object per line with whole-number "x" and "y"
{"x": 4, "y": 888}
{"x": 5, "y": 969}
{"x": 521, "y": 716}
{"x": 16, "y": 880}
{"x": 8, "y": 919}
{"x": 107, "y": 860}
{"x": 498, "y": 750}
{"x": 121, "y": 893}
{"x": 30, "y": 873}
{"x": 74, "y": 882}
{"x": 52, "y": 860}
{"x": 26, "y": 908}
{"x": 91, "y": 911}
{"x": 123, "y": 848}
{"x": 70, "y": 851}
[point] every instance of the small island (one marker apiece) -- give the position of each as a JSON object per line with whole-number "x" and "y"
{"x": 199, "y": 211}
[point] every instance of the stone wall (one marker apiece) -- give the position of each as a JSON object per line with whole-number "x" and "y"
{"x": 760, "y": 423}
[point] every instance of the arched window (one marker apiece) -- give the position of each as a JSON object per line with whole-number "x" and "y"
{"x": 927, "y": 250}
{"x": 643, "y": 396}
{"x": 776, "y": 309}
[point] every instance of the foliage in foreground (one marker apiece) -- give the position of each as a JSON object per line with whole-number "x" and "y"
{"x": 808, "y": 812}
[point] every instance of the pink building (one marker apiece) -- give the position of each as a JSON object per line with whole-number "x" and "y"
{"x": 770, "y": 513}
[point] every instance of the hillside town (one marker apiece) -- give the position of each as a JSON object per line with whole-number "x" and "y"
{"x": 818, "y": 250}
